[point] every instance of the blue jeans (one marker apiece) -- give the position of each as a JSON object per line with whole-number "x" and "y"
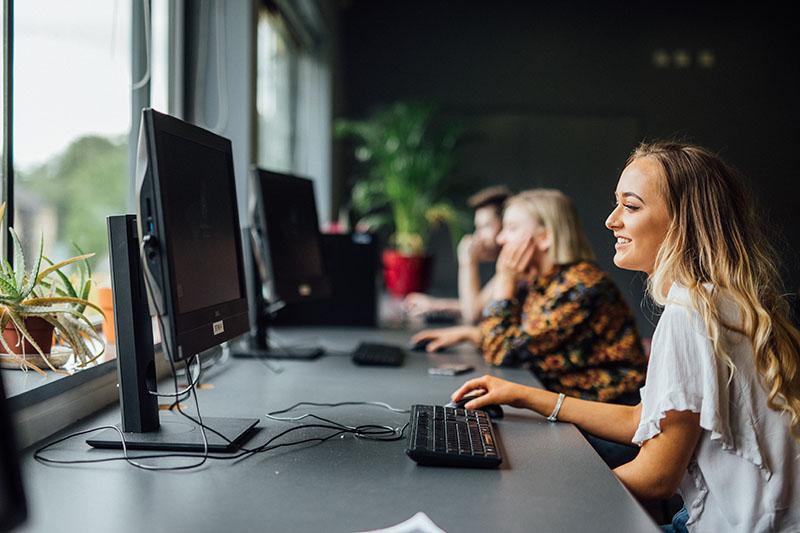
{"x": 678, "y": 524}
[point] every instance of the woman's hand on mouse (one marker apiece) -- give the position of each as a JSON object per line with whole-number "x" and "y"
{"x": 444, "y": 337}
{"x": 493, "y": 390}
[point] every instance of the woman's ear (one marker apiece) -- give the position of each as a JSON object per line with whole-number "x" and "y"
{"x": 544, "y": 240}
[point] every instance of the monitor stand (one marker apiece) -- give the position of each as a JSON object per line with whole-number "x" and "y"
{"x": 257, "y": 346}
{"x": 142, "y": 425}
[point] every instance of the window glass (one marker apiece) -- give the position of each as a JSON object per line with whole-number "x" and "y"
{"x": 274, "y": 94}
{"x": 159, "y": 55}
{"x": 72, "y": 87}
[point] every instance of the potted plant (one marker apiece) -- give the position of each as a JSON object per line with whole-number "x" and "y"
{"x": 409, "y": 161}
{"x": 38, "y": 303}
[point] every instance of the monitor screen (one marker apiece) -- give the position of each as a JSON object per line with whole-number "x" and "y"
{"x": 12, "y": 498}
{"x": 189, "y": 225}
{"x": 202, "y": 236}
{"x": 286, "y": 216}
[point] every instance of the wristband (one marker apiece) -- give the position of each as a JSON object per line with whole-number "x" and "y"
{"x": 554, "y": 415}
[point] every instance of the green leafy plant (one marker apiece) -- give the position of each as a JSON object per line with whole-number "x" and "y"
{"x": 48, "y": 293}
{"x": 409, "y": 162}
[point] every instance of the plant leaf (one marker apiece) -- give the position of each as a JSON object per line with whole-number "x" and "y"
{"x": 57, "y": 266}
{"x": 9, "y": 290}
{"x": 19, "y": 258}
{"x": 30, "y": 282}
{"x": 61, "y": 300}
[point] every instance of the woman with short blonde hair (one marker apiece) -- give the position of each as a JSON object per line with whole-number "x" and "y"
{"x": 553, "y": 210}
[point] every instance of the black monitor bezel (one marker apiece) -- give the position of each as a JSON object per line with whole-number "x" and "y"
{"x": 320, "y": 285}
{"x": 187, "y": 333}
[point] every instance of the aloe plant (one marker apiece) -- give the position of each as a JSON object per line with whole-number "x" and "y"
{"x": 409, "y": 162}
{"x": 48, "y": 293}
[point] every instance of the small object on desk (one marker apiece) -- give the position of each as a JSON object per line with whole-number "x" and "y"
{"x": 419, "y": 523}
{"x": 374, "y": 354}
{"x": 445, "y": 436}
{"x": 493, "y": 410}
{"x": 422, "y": 346}
{"x": 441, "y": 318}
{"x": 450, "y": 369}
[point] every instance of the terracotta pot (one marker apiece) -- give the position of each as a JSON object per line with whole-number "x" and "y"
{"x": 404, "y": 274}
{"x": 40, "y": 329}
{"x": 105, "y": 301}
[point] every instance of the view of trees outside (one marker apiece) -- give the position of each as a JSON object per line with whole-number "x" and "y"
{"x": 69, "y": 197}
{"x": 72, "y": 87}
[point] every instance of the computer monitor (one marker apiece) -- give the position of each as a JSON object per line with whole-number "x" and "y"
{"x": 189, "y": 254}
{"x": 284, "y": 217}
{"x": 12, "y": 498}
{"x": 189, "y": 226}
{"x": 286, "y": 249}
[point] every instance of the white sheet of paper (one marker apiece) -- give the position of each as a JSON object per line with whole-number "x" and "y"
{"x": 419, "y": 523}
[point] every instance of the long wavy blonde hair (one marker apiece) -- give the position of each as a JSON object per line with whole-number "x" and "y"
{"x": 715, "y": 237}
{"x": 554, "y": 211}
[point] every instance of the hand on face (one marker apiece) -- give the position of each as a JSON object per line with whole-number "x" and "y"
{"x": 465, "y": 246}
{"x": 472, "y": 249}
{"x": 516, "y": 258}
{"x": 416, "y": 304}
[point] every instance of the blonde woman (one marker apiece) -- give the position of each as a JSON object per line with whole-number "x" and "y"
{"x": 553, "y": 309}
{"x": 719, "y": 418}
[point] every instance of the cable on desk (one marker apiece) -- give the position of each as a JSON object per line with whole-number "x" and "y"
{"x": 365, "y": 431}
{"x": 337, "y": 404}
{"x": 133, "y": 460}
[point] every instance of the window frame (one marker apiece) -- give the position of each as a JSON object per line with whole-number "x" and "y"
{"x": 44, "y": 407}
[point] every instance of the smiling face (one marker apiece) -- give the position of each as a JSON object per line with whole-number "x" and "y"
{"x": 640, "y": 218}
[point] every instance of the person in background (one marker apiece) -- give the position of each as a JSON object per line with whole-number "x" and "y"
{"x": 479, "y": 247}
{"x": 553, "y": 309}
{"x": 719, "y": 417}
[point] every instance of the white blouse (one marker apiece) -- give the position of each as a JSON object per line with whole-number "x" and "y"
{"x": 745, "y": 472}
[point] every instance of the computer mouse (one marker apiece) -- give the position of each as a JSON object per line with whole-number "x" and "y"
{"x": 422, "y": 346}
{"x": 493, "y": 410}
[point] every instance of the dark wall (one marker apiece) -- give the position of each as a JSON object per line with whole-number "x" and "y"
{"x": 558, "y": 96}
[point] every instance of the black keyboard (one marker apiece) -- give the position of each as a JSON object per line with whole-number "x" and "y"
{"x": 371, "y": 354}
{"x": 444, "y": 436}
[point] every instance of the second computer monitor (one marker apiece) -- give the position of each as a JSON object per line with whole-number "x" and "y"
{"x": 289, "y": 240}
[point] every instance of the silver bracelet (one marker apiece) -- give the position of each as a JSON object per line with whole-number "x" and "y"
{"x": 554, "y": 415}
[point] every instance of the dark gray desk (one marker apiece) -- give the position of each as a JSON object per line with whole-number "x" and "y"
{"x": 551, "y": 480}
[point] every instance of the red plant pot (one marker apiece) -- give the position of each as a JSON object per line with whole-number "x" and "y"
{"x": 40, "y": 329}
{"x": 404, "y": 274}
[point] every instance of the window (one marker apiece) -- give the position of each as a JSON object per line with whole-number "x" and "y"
{"x": 72, "y": 117}
{"x": 274, "y": 90}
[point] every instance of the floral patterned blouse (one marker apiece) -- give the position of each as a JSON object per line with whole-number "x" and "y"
{"x": 573, "y": 329}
